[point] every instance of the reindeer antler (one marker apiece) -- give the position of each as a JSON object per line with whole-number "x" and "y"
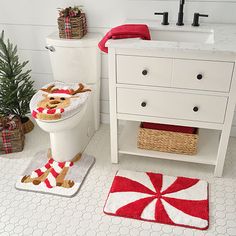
{"x": 48, "y": 89}
{"x": 80, "y": 89}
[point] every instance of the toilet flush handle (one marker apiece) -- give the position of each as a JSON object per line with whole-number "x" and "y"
{"x": 50, "y": 48}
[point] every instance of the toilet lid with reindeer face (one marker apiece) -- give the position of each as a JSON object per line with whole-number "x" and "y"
{"x": 59, "y": 100}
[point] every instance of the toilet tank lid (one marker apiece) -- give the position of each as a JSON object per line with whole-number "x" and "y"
{"x": 89, "y": 40}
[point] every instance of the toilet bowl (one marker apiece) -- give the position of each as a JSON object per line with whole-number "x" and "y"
{"x": 65, "y": 140}
{"x": 59, "y": 109}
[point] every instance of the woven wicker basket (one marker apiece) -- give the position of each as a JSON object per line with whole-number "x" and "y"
{"x": 167, "y": 141}
{"x": 78, "y": 27}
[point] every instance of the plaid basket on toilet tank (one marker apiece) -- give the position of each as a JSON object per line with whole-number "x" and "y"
{"x": 72, "y": 23}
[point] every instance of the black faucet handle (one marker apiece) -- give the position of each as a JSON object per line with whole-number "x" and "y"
{"x": 203, "y": 15}
{"x": 196, "y": 18}
{"x": 165, "y": 17}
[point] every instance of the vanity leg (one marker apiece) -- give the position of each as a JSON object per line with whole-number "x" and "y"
{"x": 225, "y": 134}
{"x": 114, "y": 141}
{"x": 224, "y": 139}
{"x": 113, "y": 111}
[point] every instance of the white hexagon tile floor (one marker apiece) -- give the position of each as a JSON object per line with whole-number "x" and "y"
{"x": 27, "y": 213}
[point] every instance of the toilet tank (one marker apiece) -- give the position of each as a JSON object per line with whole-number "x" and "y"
{"x": 75, "y": 60}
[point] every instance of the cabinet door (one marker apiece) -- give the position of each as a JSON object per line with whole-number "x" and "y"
{"x": 202, "y": 75}
{"x": 171, "y": 105}
{"x": 144, "y": 70}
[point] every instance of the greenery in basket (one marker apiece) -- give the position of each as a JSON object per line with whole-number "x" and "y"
{"x": 16, "y": 86}
{"x": 70, "y": 11}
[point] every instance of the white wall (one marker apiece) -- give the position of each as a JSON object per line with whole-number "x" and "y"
{"x": 28, "y": 22}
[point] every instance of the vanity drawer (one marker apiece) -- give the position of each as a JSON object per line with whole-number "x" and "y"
{"x": 171, "y": 105}
{"x": 204, "y": 75}
{"x": 144, "y": 70}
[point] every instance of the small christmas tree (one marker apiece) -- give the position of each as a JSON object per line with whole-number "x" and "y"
{"x": 16, "y": 88}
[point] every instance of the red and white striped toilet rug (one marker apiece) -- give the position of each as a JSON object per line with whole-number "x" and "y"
{"x": 158, "y": 198}
{"x": 67, "y": 186}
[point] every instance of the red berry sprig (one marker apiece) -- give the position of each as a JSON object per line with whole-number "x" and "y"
{"x": 70, "y": 11}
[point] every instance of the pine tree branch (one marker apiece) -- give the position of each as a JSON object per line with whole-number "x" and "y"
{"x": 16, "y": 88}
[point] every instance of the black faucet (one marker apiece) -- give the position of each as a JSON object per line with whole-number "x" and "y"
{"x": 181, "y": 13}
{"x": 165, "y": 17}
{"x": 196, "y": 19}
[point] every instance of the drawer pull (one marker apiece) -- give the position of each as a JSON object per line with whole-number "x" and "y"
{"x": 144, "y": 72}
{"x": 143, "y": 104}
{"x": 199, "y": 76}
{"x": 195, "y": 109}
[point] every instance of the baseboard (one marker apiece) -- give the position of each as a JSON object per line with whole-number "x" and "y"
{"x": 105, "y": 118}
{"x": 233, "y": 131}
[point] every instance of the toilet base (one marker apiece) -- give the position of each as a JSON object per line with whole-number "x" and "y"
{"x": 66, "y": 183}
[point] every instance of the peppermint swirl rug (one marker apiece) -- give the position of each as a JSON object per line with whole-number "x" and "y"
{"x": 159, "y": 198}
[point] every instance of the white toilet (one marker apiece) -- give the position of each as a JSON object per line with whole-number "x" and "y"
{"x": 74, "y": 61}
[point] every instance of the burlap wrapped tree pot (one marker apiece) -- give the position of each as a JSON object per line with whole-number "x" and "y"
{"x": 12, "y": 136}
{"x": 72, "y": 23}
{"x": 27, "y": 124}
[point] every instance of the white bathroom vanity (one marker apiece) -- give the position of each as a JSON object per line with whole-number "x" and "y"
{"x": 184, "y": 76}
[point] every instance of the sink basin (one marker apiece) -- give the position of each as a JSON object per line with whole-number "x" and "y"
{"x": 172, "y": 33}
{"x": 183, "y": 36}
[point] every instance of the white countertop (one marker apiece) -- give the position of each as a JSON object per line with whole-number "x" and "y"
{"x": 224, "y": 38}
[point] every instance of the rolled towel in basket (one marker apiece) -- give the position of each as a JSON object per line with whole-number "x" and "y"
{"x": 172, "y": 128}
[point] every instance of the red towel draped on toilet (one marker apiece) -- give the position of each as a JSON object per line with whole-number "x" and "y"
{"x": 124, "y": 32}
